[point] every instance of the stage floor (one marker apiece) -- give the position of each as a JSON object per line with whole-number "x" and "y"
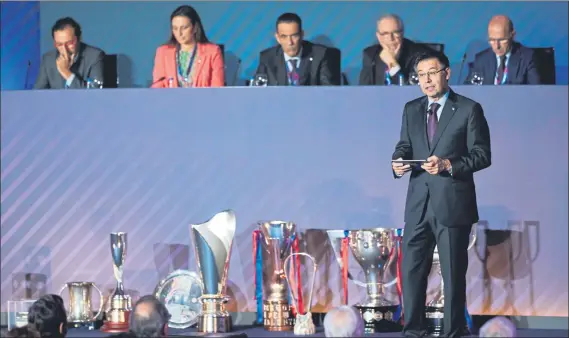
{"x": 260, "y": 332}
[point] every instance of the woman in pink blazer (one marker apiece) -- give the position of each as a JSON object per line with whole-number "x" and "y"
{"x": 188, "y": 59}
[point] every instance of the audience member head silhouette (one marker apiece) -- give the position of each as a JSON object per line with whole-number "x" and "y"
{"x": 149, "y": 318}
{"x": 343, "y": 321}
{"x": 48, "y": 317}
{"x": 498, "y": 327}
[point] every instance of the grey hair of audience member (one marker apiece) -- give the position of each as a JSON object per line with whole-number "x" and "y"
{"x": 343, "y": 321}
{"x": 395, "y": 17}
{"x": 149, "y": 318}
{"x": 498, "y": 327}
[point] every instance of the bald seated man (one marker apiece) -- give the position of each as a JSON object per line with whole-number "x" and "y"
{"x": 506, "y": 61}
{"x": 149, "y": 318}
{"x": 392, "y": 58}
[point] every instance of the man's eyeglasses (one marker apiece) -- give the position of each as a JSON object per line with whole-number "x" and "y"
{"x": 394, "y": 33}
{"x": 66, "y": 44}
{"x": 500, "y": 40}
{"x": 430, "y": 73}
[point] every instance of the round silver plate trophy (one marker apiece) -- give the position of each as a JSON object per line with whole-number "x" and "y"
{"x": 180, "y": 292}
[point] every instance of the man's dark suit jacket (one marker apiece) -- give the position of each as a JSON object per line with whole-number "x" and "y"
{"x": 89, "y": 64}
{"x": 463, "y": 137}
{"x": 373, "y": 69}
{"x": 314, "y": 69}
{"x": 521, "y": 66}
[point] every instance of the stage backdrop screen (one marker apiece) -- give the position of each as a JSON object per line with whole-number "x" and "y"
{"x": 78, "y": 165}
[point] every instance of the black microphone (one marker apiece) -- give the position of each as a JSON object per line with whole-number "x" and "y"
{"x": 159, "y": 80}
{"x": 27, "y": 74}
{"x": 461, "y": 66}
{"x": 234, "y": 83}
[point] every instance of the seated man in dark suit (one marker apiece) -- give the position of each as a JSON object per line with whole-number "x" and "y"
{"x": 295, "y": 62}
{"x": 390, "y": 61}
{"x": 506, "y": 61}
{"x": 72, "y": 63}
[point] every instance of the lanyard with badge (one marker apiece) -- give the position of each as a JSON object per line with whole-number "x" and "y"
{"x": 387, "y": 77}
{"x": 185, "y": 77}
{"x": 504, "y": 77}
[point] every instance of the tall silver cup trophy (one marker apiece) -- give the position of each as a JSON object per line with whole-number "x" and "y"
{"x": 212, "y": 242}
{"x": 118, "y": 311}
{"x": 435, "y": 308}
{"x": 372, "y": 249}
{"x": 277, "y": 241}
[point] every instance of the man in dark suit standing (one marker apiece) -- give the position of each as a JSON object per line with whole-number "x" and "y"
{"x": 295, "y": 62}
{"x": 506, "y": 61}
{"x": 451, "y": 133}
{"x": 390, "y": 61}
{"x": 72, "y": 62}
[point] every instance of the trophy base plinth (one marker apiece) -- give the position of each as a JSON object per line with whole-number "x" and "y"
{"x": 257, "y": 323}
{"x": 379, "y": 318}
{"x": 277, "y": 316}
{"x": 89, "y": 325}
{"x": 214, "y": 323}
{"x": 435, "y": 321}
{"x": 214, "y": 318}
{"x": 435, "y": 318}
{"x": 111, "y": 327}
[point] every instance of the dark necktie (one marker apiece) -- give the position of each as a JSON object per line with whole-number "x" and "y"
{"x": 501, "y": 69}
{"x": 293, "y": 74}
{"x": 432, "y": 121}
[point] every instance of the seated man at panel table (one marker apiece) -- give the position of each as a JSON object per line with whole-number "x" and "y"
{"x": 295, "y": 62}
{"x": 385, "y": 63}
{"x": 506, "y": 61}
{"x": 72, "y": 63}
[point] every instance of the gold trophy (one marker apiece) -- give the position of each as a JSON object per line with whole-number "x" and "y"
{"x": 303, "y": 324}
{"x": 277, "y": 241}
{"x": 212, "y": 242}
{"x": 118, "y": 311}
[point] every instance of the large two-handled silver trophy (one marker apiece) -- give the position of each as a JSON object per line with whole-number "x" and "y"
{"x": 374, "y": 250}
{"x": 212, "y": 242}
{"x": 79, "y": 311}
{"x": 277, "y": 241}
{"x": 435, "y": 308}
{"x": 118, "y": 311}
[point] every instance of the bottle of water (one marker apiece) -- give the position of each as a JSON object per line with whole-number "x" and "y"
{"x": 401, "y": 80}
{"x": 252, "y": 81}
{"x": 90, "y": 83}
{"x": 170, "y": 83}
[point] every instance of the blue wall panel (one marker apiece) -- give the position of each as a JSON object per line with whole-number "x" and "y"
{"x": 20, "y": 35}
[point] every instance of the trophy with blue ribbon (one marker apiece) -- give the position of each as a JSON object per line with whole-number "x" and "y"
{"x": 277, "y": 240}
